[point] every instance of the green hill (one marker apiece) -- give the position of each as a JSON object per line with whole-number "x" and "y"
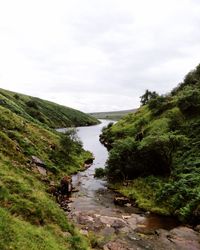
{"x": 46, "y": 112}
{"x": 112, "y": 115}
{"x": 33, "y": 159}
{"x": 155, "y": 156}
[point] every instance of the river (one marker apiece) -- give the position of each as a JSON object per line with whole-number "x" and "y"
{"x": 92, "y": 209}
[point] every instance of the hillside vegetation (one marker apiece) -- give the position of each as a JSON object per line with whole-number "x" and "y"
{"x": 30, "y": 217}
{"x": 154, "y": 154}
{"x": 42, "y": 111}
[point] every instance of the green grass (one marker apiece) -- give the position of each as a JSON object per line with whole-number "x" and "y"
{"x": 143, "y": 192}
{"x": 30, "y": 217}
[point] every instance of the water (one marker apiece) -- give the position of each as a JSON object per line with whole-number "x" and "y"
{"x": 93, "y": 193}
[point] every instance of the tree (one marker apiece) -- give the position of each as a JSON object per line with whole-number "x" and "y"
{"x": 152, "y": 156}
{"x": 147, "y": 96}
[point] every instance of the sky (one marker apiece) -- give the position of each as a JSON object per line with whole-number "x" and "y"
{"x": 97, "y": 55}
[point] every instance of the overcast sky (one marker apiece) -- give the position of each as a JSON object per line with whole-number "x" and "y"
{"x": 97, "y": 55}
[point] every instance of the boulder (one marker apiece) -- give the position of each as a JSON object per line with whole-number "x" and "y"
{"x": 66, "y": 185}
{"x": 42, "y": 171}
{"x": 121, "y": 201}
{"x": 118, "y": 224}
{"x": 118, "y": 245}
{"x": 2, "y": 102}
{"x": 184, "y": 238}
{"x": 197, "y": 228}
{"x": 37, "y": 161}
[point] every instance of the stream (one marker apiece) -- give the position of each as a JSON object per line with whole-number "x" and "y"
{"x": 114, "y": 227}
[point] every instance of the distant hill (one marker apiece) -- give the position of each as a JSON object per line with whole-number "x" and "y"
{"x": 46, "y": 112}
{"x": 113, "y": 115}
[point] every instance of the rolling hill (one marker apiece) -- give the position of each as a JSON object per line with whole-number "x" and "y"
{"x": 51, "y": 114}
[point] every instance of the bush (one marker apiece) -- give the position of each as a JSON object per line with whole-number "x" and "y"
{"x": 70, "y": 145}
{"x": 152, "y": 156}
{"x": 100, "y": 173}
{"x": 32, "y": 104}
{"x": 16, "y": 96}
{"x": 189, "y": 101}
{"x": 158, "y": 105}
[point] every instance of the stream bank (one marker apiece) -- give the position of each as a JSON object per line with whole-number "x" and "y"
{"x": 113, "y": 227}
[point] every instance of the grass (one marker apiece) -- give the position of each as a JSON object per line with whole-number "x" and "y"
{"x": 143, "y": 192}
{"x": 30, "y": 217}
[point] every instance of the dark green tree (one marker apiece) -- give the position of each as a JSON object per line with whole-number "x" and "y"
{"x": 148, "y": 95}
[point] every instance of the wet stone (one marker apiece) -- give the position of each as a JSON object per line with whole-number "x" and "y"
{"x": 118, "y": 224}
{"x": 118, "y": 245}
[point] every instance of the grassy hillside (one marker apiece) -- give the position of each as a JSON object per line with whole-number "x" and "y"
{"x": 112, "y": 115}
{"x": 46, "y": 112}
{"x": 155, "y": 152}
{"x": 30, "y": 217}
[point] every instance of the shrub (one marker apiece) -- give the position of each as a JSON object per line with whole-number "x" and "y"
{"x": 158, "y": 105}
{"x": 153, "y": 155}
{"x": 189, "y": 101}
{"x": 16, "y": 96}
{"x": 32, "y": 104}
{"x": 99, "y": 172}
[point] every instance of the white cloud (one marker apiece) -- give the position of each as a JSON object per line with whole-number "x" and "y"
{"x": 97, "y": 55}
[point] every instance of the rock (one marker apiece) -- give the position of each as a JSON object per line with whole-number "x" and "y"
{"x": 52, "y": 183}
{"x": 184, "y": 238}
{"x": 42, "y": 171}
{"x": 128, "y": 204}
{"x": 197, "y": 228}
{"x": 66, "y": 234}
{"x": 125, "y": 217}
{"x": 134, "y": 220}
{"x": 37, "y": 161}
{"x": 2, "y": 101}
{"x": 84, "y": 232}
{"x": 184, "y": 232}
{"x": 110, "y": 220}
{"x": 117, "y": 245}
{"x": 108, "y": 231}
{"x": 144, "y": 230}
{"x": 85, "y": 219}
{"x": 125, "y": 230}
{"x": 66, "y": 185}
{"x": 121, "y": 201}
{"x": 75, "y": 190}
{"x": 118, "y": 224}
